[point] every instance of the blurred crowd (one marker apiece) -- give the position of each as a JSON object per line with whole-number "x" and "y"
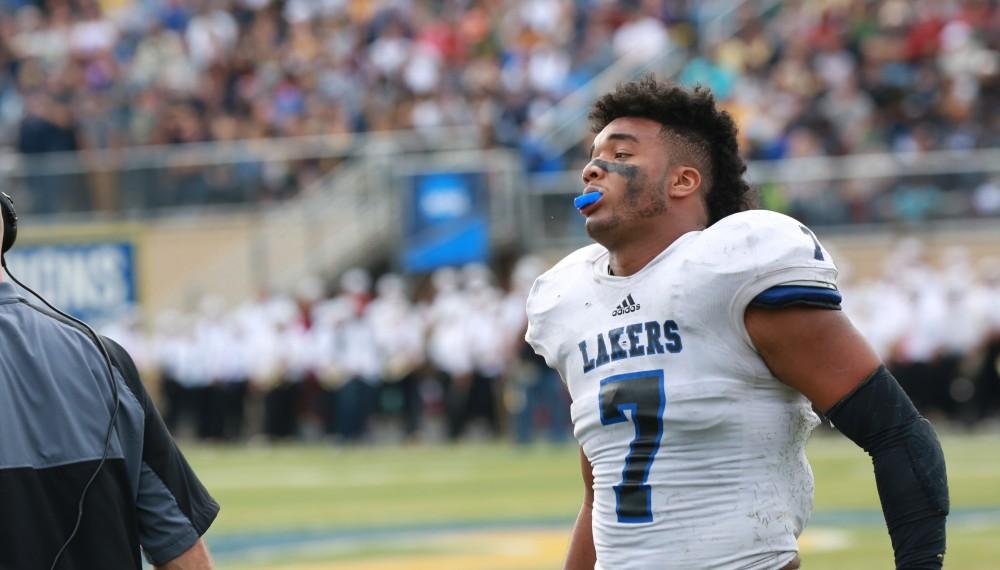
{"x": 837, "y": 77}
{"x": 356, "y": 366}
{"x": 97, "y": 74}
{"x": 808, "y": 78}
{"x": 852, "y": 76}
{"x": 936, "y": 326}
{"x": 445, "y": 359}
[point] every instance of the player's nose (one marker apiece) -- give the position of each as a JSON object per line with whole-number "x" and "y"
{"x": 591, "y": 172}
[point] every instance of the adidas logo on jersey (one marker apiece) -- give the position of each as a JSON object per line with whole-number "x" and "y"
{"x": 628, "y": 305}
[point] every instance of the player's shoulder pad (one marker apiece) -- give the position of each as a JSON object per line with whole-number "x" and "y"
{"x": 549, "y": 287}
{"x": 761, "y": 242}
{"x": 546, "y": 305}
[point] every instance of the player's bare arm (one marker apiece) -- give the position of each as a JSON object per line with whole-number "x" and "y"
{"x": 821, "y": 354}
{"x": 581, "y": 546}
{"x": 816, "y": 351}
{"x": 194, "y": 558}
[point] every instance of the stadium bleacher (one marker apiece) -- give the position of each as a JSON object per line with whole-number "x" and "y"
{"x": 808, "y": 79}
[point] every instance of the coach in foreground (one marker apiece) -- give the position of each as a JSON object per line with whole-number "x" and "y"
{"x": 694, "y": 337}
{"x": 89, "y": 475}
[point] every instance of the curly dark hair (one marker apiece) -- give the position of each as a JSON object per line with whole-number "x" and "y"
{"x": 693, "y": 124}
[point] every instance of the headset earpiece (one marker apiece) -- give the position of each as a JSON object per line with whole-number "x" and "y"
{"x": 9, "y": 221}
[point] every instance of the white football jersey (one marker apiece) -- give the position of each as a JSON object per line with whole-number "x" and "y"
{"x": 698, "y": 451}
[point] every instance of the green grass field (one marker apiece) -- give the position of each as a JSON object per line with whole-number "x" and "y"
{"x": 500, "y": 507}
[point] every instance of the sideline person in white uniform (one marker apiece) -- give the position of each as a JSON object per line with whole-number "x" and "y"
{"x": 693, "y": 336}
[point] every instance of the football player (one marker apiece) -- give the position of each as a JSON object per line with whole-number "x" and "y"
{"x": 695, "y": 338}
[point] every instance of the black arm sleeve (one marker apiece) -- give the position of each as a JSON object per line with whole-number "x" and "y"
{"x": 909, "y": 466}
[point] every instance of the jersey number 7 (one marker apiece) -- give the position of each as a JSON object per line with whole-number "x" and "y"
{"x": 641, "y": 393}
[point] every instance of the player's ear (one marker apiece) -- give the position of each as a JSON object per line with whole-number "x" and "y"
{"x": 683, "y": 181}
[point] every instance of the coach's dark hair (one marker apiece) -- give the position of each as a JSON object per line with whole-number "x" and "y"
{"x": 691, "y": 117}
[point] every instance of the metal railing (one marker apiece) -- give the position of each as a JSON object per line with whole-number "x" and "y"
{"x": 350, "y": 216}
{"x": 912, "y": 190}
{"x": 143, "y": 181}
{"x": 875, "y": 165}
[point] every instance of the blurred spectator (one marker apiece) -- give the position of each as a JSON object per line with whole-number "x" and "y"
{"x": 486, "y": 339}
{"x": 48, "y": 126}
{"x": 294, "y": 362}
{"x": 356, "y": 353}
{"x": 448, "y": 348}
{"x": 399, "y": 337}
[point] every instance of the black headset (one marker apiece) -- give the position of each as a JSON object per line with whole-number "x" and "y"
{"x": 9, "y": 236}
{"x": 9, "y": 221}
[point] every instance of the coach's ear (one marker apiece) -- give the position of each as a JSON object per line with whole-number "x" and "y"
{"x": 683, "y": 181}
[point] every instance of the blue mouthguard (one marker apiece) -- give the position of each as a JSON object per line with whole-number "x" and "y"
{"x": 587, "y": 199}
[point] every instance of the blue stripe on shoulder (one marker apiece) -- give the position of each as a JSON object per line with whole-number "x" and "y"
{"x": 785, "y": 295}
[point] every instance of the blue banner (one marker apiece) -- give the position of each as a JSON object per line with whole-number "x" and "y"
{"x": 91, "y": 281}
{"x": 446, "y": 221}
